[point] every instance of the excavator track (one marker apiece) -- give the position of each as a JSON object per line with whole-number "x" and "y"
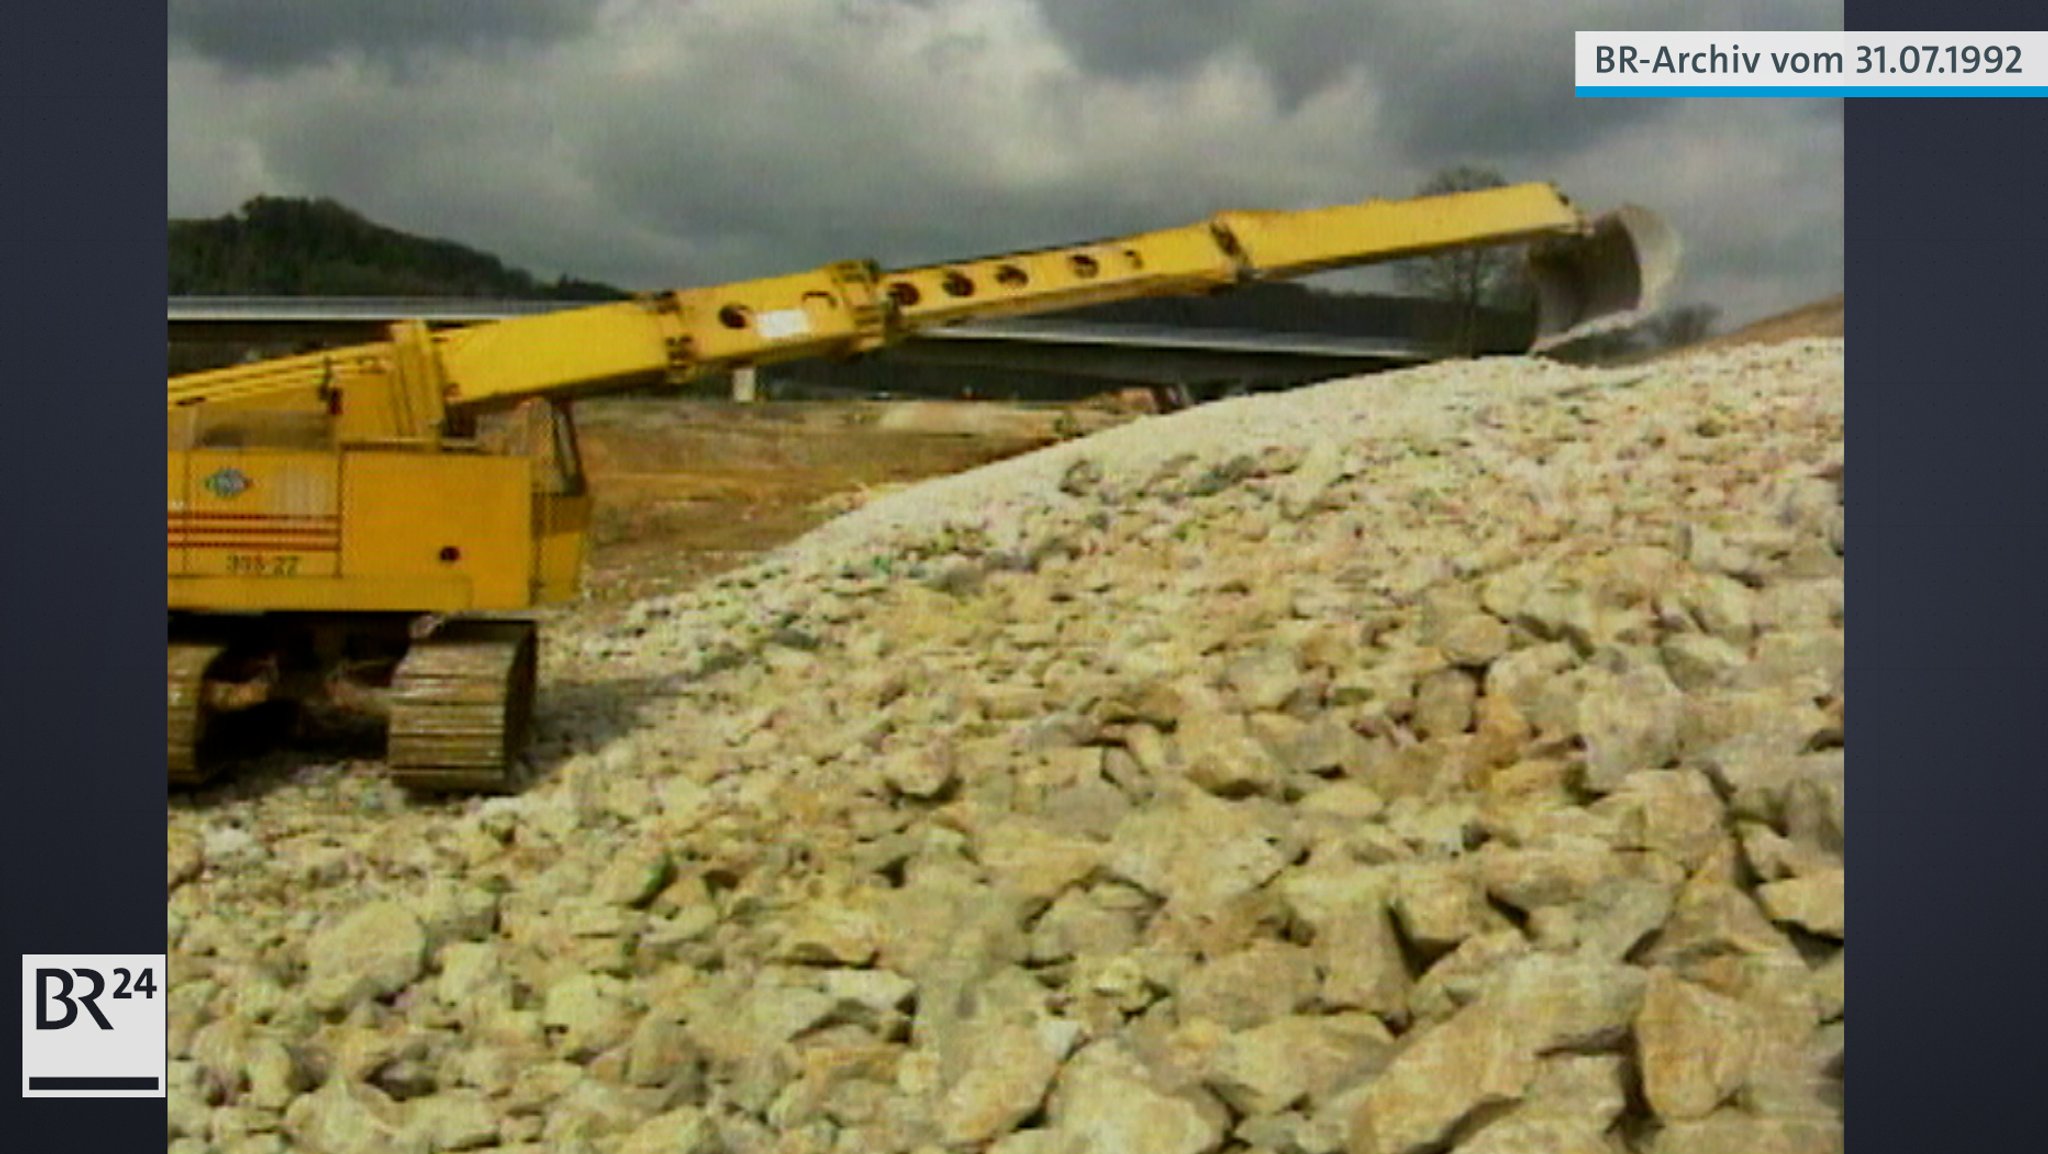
{"x": 189, "y": 662}
{"x": 460, "y": 705}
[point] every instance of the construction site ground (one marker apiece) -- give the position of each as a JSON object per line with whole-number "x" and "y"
{"x": 1448, "y": 761}
{"x": 687, "y": 488}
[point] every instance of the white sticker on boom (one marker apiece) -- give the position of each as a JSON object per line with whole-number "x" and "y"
{"x": 781, "y": 324}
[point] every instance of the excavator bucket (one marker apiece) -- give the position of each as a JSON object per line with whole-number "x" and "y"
{"x": 1608, "y": 279}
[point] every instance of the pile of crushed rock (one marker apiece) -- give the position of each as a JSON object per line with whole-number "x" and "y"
{"x": 1448, "y": 760}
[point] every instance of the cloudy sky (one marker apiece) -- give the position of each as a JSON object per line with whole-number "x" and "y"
{"x": 652, "y": 143}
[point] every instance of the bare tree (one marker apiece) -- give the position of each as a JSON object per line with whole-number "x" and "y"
{"x": 1470, "y": 280}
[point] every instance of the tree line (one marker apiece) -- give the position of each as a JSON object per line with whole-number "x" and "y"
{"x": 289, "y": 246}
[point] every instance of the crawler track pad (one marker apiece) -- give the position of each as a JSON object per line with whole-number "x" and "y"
{"x": 461, "y": 703}
{"x": 189, "y": 662}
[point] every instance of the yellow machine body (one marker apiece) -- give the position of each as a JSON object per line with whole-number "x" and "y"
{"x": 435, "y": 474}
{"x": 259, "y": 526}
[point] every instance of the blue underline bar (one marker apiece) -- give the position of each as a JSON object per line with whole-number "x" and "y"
{"x": 1979, "y": 91}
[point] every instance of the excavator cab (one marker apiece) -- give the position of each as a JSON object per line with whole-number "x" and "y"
{"x": 543, "y": 430}
{"x": 561, "y": 498}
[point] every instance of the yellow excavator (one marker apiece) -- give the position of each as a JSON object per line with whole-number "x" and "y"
{"x": 359, "y": 529}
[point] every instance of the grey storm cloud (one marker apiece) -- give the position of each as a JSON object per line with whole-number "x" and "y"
{"x": 657, "y": 142}
{"x": 276, "y": 35}
{"x": 1301, "y": 46}
{"x": 1460, "y": 80}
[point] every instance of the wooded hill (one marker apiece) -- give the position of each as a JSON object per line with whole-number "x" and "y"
{"x": 286, "y": 246}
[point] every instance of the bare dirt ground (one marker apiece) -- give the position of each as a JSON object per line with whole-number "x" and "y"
{"x": 689, "y": 488}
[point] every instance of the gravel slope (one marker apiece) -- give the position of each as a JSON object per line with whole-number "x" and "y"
{"x": 1449, "y": 759}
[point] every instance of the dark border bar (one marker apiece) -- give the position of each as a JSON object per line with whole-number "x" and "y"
{"x": 82, "y": 111}
{"x": 1946, "y": 256}
{"x": 95, "y": 1083}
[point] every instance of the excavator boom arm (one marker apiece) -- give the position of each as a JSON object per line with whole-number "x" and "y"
{"x": 853, "y": 307}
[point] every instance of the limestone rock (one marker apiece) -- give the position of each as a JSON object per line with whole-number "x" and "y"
{"x": 1732, "y": 1132}
{"x": 591, "y": 1011}
{"x": 1105, "y": 1102}
{"x": 1589, "y": 1088}
{"x": 1694, "y": 1047}
{"x": 185, "y": 856}
{"x": 1675, "y": 813}
{"x": 1457, "y": 978}
{"x": 1440, "y": 906}
{"x": 1252, "y": 986}
{"x": 454, "y": 1120}
{"x": 1630, "y": 724}
{"x": 1830, "y": 986}
{"x": 919, "y": 772}
{"x": 681, "y": 1131}
{"x": 1697, "y": 661}
{"x": 1265, "y": 678}
{"x": 1221, "y": 755}
{"x": 346, "y": 1117}
{"x": 1443, "y": 703}
{"x": 1560, "y": 1002}
{"x": 1814, "y": 903}
{"x": 1546, "y": 876}
{"x": 1012, "y": 1069}
{"x": 635, "y": 877}
{"x": 839, "y": 932}
{"x": 1297, "y": 1060}
{"x": 1472, "y": 1062}
{"x": 1475, "y": 640}
{"x": 1515, "y": 1134}
{"x": 1035, "y": 862}
{"x": 374, "y": 952}
{"x": 1198, "y": 851}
